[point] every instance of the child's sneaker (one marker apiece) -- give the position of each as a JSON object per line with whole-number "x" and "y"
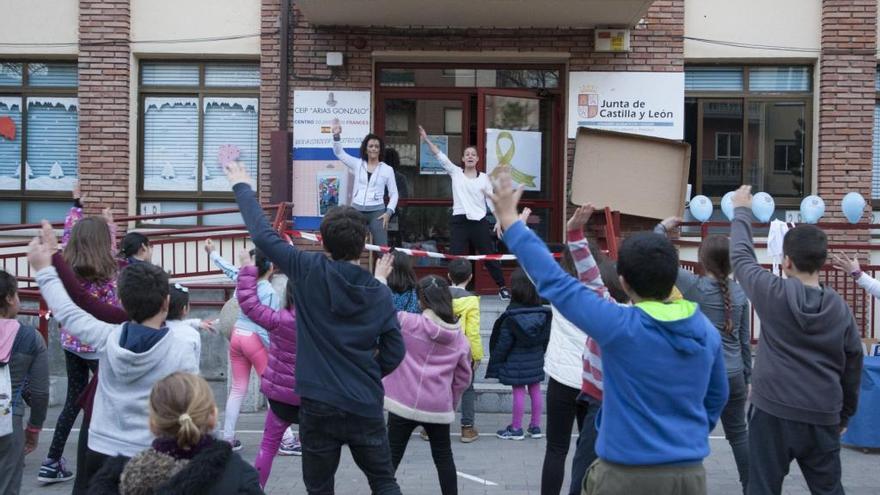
{"x": 236, "y": 445}
{"x": 535, "y": 432}
{"x": 469, "y": 434}
{"x": 54, "y": 471}
{"x": 424, "y": 435}
{"x": 290, "y": 446}
{"x": 510, "y": 434}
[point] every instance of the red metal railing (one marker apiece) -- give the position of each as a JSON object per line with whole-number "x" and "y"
{"x": 177, "y": 250}
{"x": 864, "y": 306}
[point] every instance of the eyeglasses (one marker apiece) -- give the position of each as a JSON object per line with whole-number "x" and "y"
{"x": 181, "y": 288}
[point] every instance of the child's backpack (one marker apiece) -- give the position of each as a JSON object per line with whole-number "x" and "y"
{"x": 5, "y": 400}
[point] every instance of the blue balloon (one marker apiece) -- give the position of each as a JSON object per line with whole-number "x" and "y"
{"x": 701, "y": 208}
{"x": 853, "y": 206}
{"x": 763, "y": 206}
{"x": 727, "y": 205}
{"x": 812, "y": 209}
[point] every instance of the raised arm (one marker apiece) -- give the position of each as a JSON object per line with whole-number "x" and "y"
{"x": 283, "y": 254}
{"x": 228, "y": 269}
{"x": 851, "y": 267}
{"x": 686, "y": 280}
{"x": 584, "y": 262}
{"x": 250, "y": 304}
{"x": 351, "y": 162}
{"x": 757, "y": 282}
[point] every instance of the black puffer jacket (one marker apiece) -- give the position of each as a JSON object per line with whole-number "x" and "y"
{"x": 215, "y": 470}
{"x": 516, "y": 348}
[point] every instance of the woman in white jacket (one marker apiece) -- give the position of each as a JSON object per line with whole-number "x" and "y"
{"x": 372, "y": 177}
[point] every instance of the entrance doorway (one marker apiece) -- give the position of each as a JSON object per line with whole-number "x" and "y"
{"x": 459, "y": 107}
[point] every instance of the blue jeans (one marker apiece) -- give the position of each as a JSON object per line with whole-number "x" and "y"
{"x": 733, "y": 419}
{"x": 324, "y": 429}
{"x": 585, "y": 452}
{"x": 374, "y": 224}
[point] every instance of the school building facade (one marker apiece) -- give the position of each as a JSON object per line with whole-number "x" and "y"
{"x": 136, "y": 97}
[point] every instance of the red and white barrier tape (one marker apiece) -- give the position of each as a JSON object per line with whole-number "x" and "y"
{"x": 419, "y": 253}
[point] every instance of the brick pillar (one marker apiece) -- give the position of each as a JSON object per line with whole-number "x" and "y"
{"x": 270, "y": 80}
{"x": 104, "y": 78}
{"x": 847, "y": 69}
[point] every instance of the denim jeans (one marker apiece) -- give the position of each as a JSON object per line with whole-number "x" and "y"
{"x": 468, "y": 403}
{"x": 733, "y": 420}
{"x": 399, "y": 432}
{"x": 585, "y": 452}
{"x": 324, "y": 429}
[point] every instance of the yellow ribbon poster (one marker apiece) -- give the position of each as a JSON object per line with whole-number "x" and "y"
{"x": 519, "y": 150}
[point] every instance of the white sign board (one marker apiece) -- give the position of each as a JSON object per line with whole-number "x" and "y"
{"x": 314, "y": 112}
{"x": 646, "y": 103}
{"x": 521, "y": 150}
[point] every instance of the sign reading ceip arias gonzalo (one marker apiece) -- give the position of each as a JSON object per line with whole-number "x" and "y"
{"x": 314, "y": 112}
{"x": 646, "y": 103}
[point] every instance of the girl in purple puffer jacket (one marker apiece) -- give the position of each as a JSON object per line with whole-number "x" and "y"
{"x": 279, "y": 378}
{"x": 427, "y": 386}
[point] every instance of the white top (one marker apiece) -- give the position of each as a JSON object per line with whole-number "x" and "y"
{"x": 369, "y": 191}
{"x": 564, "y": 360}
{"x": 870, "y": 284}
{"x": 468, "y": 193}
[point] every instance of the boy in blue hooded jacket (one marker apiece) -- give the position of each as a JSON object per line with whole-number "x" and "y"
{"x": 663, "y": 368}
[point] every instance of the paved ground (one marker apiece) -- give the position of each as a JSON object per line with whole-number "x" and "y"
{"x": 489, "y": 466}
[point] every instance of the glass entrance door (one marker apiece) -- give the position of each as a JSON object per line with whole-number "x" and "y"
{"x": 516, "y": 129}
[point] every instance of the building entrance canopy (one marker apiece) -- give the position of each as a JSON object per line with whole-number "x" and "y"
{"x": 470, "y": 14}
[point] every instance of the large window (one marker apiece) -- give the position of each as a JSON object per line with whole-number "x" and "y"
{"x": 190, "y": 112}
{"x": 749, "y": 125}
{"x": 38, "y": 139}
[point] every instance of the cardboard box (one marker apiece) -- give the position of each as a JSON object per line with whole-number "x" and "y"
{"x": 635, "y": 175}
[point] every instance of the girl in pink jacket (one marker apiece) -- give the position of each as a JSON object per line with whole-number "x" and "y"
{"x": 427, "y": 386}
{"x": 279, "y": 378}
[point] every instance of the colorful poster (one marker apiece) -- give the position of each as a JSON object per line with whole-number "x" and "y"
{"x": 519, "y": 150}
{"x": 645, "y": 103}
{"x": 328, "y": 192}
{"x": 428, "y": 163}
{"x": 313, "y": 160}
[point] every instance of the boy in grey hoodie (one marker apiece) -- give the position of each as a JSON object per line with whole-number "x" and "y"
{"x": 806, "y": 378}
{"x": 133, "y": 355}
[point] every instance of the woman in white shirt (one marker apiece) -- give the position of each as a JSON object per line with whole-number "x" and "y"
{"x": 468, "y": 226}
{"x": 371, "y": 178}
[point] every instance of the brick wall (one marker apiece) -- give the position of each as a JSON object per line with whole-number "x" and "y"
{"x": 847, "y": 68}
{"x": 657, "y": 45}
{"x": 104, "y": 77}
{"x": 270, "y": 80}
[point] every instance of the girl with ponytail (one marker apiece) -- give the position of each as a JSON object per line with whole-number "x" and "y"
{"x": 426, "y": 387}
{"x": 185, "y": 458}
{"x": 723, "y": 301}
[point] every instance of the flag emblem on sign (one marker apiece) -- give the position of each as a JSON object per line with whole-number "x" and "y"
{"x": 588, "y": 105}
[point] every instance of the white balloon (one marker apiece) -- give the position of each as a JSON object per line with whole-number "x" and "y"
{"x": 701, "y": 208}
{"x": 853, "y": 205}
{"x": 812, "y": 209}
{"x": 763, "y": 206}
{"x": 727, "y": 205}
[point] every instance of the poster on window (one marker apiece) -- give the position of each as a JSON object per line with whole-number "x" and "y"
{"x": 428, "y": 163}
{"x": 313, "y": 160}
{"x": 52, "y": 151}
{"x": 518, "y": 150}
{"x": 229, "y": 124}
{"x": 645, "y": 103}
{"x": 171, "y": 143}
